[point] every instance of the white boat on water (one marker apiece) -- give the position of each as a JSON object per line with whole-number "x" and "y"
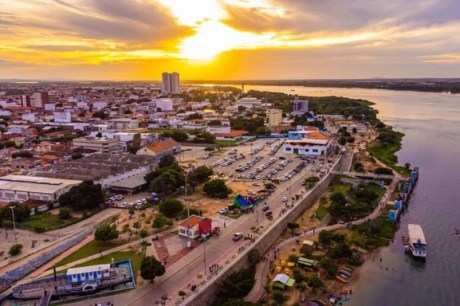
{"x": 417, "y": 242}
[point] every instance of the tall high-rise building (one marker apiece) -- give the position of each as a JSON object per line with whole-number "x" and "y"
{"x": 25, "y": 100}
{"x": 175, "y": 83}
{"x": 40, "y": 98}
{"x": 299, "y": 107}
{"x": 170, "y": 83}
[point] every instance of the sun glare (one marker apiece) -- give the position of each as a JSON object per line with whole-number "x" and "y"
{"x": 214, "y": 37}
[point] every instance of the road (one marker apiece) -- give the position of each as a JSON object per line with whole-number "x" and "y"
{"x": 187, "y": 271}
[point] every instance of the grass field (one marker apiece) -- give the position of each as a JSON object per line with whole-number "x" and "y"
{"x": 93, "y": 247}
{"x": 42, "y": 222}
{"x": 322, "y": 211}
{"x": 386, "y": 153}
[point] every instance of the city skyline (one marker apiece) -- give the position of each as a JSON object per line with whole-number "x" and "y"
{"x": 228, "y": 39}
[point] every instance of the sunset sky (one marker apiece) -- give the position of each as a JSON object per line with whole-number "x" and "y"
{"x": 229, "y": 39}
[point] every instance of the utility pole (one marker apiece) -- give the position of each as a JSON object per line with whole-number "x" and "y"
{"x": 204, "y": 256}
{"x": 14, "y": 225}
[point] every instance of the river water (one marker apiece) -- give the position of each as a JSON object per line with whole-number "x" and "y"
{"x": 431, "y": 124}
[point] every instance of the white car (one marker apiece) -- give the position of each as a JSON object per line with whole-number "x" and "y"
{"x": 223, "y": 211}
{"x": 285, "y": 199}
{"x": 250, "y": 192}
{"x": 237, "y": 236}
{"x": 256, "y": 184}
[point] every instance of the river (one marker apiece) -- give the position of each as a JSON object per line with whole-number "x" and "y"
{"x": 431, "y": 124}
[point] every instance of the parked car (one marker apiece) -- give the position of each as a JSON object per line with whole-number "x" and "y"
{"x": 285, "y": 199}
{"x": 223, "y": 211}
{"x": 237, "y": 236}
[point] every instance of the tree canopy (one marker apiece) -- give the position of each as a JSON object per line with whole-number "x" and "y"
{"x": 86, "y": 195}
{"x": 151, "y": 268}
{"x": 200, "y": 174}
{"x": 217, "y": 189}
{"x": 171, "y": 207}
{"x": 106, "y": 232}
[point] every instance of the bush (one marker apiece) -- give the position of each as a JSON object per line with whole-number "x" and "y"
{"x": 143, "y": 233}
{"x": 15, "y": 249}
{"x": 160, "y": 221}
{"x": 64, "y": 213}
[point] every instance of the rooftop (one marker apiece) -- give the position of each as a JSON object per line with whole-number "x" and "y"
{"x": 34, "y": 183}
{"x": 88, "y": 269}
{"x": 163, "y": 145}
{"x": 194, "y": 220}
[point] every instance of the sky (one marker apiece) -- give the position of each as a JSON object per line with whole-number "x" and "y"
{"x": 229, "y": 39}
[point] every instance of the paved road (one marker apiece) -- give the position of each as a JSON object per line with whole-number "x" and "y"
{"x": 221, "y": 250}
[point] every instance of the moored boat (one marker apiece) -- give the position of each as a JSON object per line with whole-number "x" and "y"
{"x": 76, "y": 281}
{"x": 417, "y": 242}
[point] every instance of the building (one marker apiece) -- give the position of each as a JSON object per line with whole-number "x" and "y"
{"x": 105, "y": 169}
{"x": 40, "y": 98}
{"x": 97, "y": 144}
{"x": 307, "y": 141}
{"x": 20, "y": 188}
{"x": 195, "y": 226}
{"x": 299, "y": 107}
{"x": 62, "y": 117}
{"x": 25, "y": 101}
{"x": 89, "y": 274}
{"x": 170, "y": 83}
{"x": 162, "y": 148}
{"x": 274, "y": 117}
{"x": 248, "y": 103}
{"x": 123, "y": 124}
{"x": 165, "y": 105}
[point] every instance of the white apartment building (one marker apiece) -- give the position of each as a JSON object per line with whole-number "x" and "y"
{"x": 274, "y": 116}
{"x": 166, "y": 105}
{"x": 99, "y": 144}
{"x": 299, "y": 107}
{"x": 122, "y": 124}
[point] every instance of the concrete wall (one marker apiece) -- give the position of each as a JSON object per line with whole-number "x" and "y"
{"x": 208, "y": 291}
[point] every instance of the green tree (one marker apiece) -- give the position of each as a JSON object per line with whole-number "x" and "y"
{"x": 160, "y": 221}
{"x": 358, "y": 167}
{"x": 307, "y": 250}
{"x": 263, "y": 130}
{"x": 64, "y": 213}
{"x": 279, "y": 297}
{"x": 329, "y": 266}
{"x": 325, "y": 238}
{"x": 151, "y": 268}
{"x": 237, "y": 285}
{"x": 15, "y": 249}
{"x": 23, "y": 154}
{"x": 254, "y": 257}
{"x": 314, "y": 282}
{"x": 214, "y": 122}
{"x": 143, "y": 233}
{"x": 200, "y": 174}
{"x": 21, "y": 213}
{"x": 86, "y": 195}
{"x": 132, "y": 148}
{"x": 217, "y": 189}
{"x": 106, "y": 232}
{"x": 171, "y": 207}
{"x": 166, "y": 161}
{"x": 292, "y": 227}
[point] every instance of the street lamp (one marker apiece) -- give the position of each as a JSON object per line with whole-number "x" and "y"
{"x": 14, "y": 225}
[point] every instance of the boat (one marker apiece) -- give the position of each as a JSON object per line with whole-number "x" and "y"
{"x": 341, "y": 279}
{"x": 77, "y": 281}
{"x": 417, "y": 242}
